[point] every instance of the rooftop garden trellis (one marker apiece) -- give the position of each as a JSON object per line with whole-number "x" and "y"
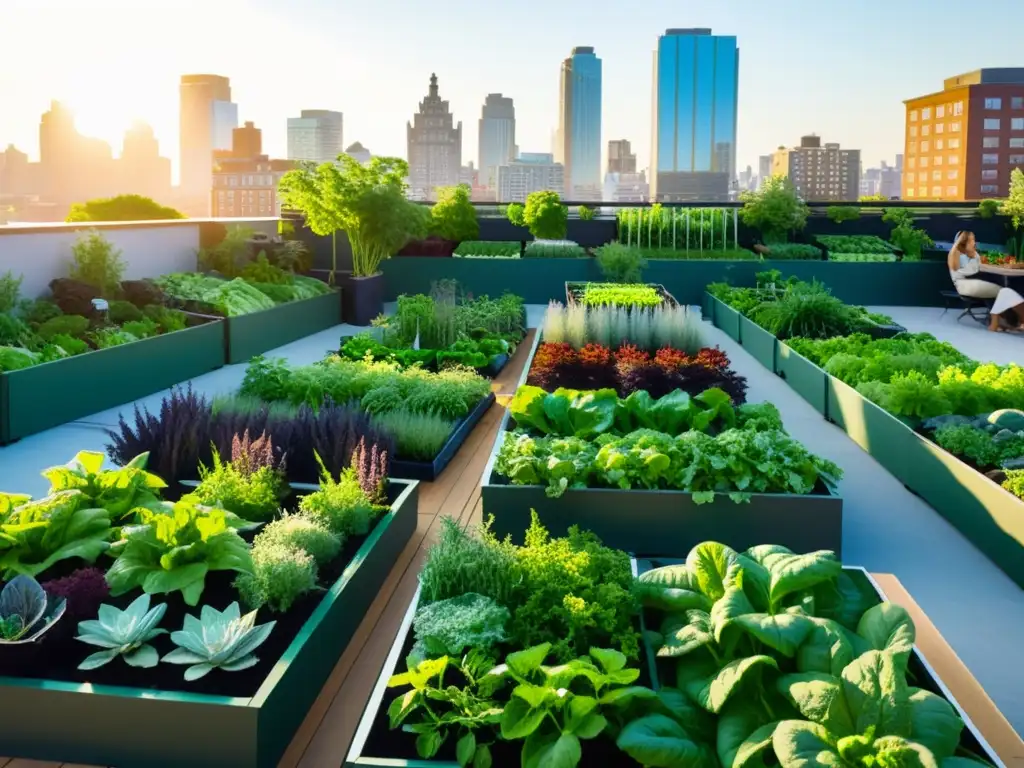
{"x": 701, "y": 229}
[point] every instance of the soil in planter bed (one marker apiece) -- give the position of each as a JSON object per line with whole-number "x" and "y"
{"x": 382, "y": 742}
{"x": 58, "y": 655}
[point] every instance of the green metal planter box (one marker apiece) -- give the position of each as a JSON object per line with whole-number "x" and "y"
{"x": 889, "y": 441}
{"x": 707, "y": 307}
{"x": 48, "y": 395}
{"x": 758, "y": 342}
{"x": 664, "y": 523}
{"x": 136, "y": 728}
{"x": 259, "y": 332}
{"x": 804, "y": 377}
{"x": 727, "y": 318}
{"x": 991, "y": 517}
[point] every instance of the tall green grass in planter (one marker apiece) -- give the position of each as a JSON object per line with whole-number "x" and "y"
{"x": 806, "y": 310}
{"x": 695, "y": 229}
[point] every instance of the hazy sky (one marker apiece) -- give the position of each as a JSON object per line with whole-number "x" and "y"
{"x": 839, "y": 69}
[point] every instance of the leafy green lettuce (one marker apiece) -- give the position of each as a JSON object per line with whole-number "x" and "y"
{"x": 173, "y": 549}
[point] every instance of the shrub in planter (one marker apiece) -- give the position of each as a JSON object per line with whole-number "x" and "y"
{"x": 621, "y": 263}
{"x": 545, "y": 215}
{"x": 453, "y": 216}
{"x": 774, "y": 210}
{"x": 515, "y": 213}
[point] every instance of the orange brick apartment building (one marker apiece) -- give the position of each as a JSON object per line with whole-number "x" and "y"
{"x": 962, "y": 142}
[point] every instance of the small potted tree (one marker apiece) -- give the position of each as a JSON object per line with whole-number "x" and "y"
{"x": 367, "y": 203}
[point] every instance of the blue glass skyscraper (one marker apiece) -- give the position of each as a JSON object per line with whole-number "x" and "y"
{"x": 578, "y": 141}
{"x": 696, "y": 90}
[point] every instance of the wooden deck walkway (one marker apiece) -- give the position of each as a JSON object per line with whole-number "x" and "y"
{"x": 323, "y": 739}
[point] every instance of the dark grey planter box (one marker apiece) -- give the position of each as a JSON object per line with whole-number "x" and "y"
{"x": 650, "y": 523}
{"x": 758, "y": 342}
{"x": 804, "y": 377}
{"x": 431, "y": 470}
{"x": 361, "y": 752}
{"x": 171, "y": 729}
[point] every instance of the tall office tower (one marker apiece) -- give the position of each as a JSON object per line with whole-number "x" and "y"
{"x": 143, "y": 171}
{"x": 820, "y": 173}
{"x": 315, "y": 136}
{"x": 434, "y": 146}
{"x": 497, "y": 137}
{"x": 963, "y": 141}
{"x": 693, "y": 143}
{"x": 621, "y": 158}
{"x": 207, "y": 119}
{"x": 578, "y": 139}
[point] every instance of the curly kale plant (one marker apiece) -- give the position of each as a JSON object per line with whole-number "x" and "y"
{"x": 173, "y": 549}
{"x": 448, "y": 627}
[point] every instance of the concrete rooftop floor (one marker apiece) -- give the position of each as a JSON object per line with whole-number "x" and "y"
{"x": 978, "y": 609}
{"x": 969, "y": 336}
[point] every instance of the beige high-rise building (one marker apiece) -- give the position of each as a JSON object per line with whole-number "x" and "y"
{"x": 820, "y": 173}
{"x": 207, "y": 118}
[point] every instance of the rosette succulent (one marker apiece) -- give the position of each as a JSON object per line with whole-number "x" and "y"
{"x": 123, "y": 633}
{"x": 224, "y": 640}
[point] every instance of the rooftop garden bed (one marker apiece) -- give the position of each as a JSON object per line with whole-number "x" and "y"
{"x": 663, "y": 432}
{"x": 511, "y": 676}
{"x": 418, "y": 409}
{"x": 444, "y": 329}
{"x": 634, "y": 296}
{"x": 137, "y": 600}
{"x": 794, "y": 308}
{"x": 554, "y": 249}
{"x": 484, "y": 249}
{"x": 855, "y": 244}
{"x": 98, "y": 341}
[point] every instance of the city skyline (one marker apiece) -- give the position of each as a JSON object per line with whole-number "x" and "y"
{"x": 848, "y": 95}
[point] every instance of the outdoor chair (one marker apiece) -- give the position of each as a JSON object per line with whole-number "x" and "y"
{"x": 976, "y": 309}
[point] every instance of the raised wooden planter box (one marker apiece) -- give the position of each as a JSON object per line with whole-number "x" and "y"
{"x": 259, "y": 332}
{"x": 650, "y": 523}
{"x": 48, "y": 395}
{"x": 726, "y": 318}
{"x": 431, "y": 470}
{"x": 758, "y": 342}
{"x": 137, "y": 728}
{"x": 804, "y": 377}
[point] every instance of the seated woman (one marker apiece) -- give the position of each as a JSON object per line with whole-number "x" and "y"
{"x": 963, "y": 261}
